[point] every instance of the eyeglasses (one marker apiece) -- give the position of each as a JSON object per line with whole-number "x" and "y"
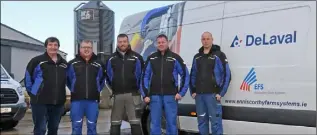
{"x": 86, "y": 47}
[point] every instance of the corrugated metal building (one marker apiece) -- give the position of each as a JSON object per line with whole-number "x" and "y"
{"x": 17, "y": 49}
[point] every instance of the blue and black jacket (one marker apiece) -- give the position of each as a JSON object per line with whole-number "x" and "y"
{"x": 45, "y": 80}
{"x": 85, "y": 79}
{"x": 160, "y": 75}
{"x": 210, "y": 73}
{"x": 124, "y": 71}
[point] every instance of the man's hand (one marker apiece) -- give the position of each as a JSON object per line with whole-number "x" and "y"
{"x": 218, "y": 97}
{"x": 178, "y": 97}
{"x": 193, "y": 95}
{"x": 147, "y": 100}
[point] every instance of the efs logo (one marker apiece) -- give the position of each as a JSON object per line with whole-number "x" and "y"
{"x": 250, "y": 81}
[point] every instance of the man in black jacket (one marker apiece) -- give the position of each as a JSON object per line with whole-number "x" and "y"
{"x": 45, "y": 81}
{"x": 209, "y": 80}
{"x": 160, "y": 86}
{"x": 85, "y": 79}
{"x": 124, "y": 68}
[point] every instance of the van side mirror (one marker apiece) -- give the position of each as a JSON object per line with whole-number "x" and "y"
{"x": 12, "y": 75}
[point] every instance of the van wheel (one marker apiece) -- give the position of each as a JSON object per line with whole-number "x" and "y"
{"x": 148, "y": 124}
{"x": 8, "y": 125}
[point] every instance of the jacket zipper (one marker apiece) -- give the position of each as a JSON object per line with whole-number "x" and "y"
{"x": 122, "y": 73}
{"x": 162, "y": 61}
{"x": 86, "y": 81}
{"x": 56, "y": 86}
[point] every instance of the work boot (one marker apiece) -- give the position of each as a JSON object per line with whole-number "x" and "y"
{"x": 115, "y": 129}
{"x": 136, "y": 129}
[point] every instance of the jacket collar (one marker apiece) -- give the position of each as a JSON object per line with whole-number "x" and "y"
{"x": 167, "y": 51}
{"x": 214, "y": 48}
{"x": 129, "y": 50}
{"x": 59, "y": 58}
{"x": 92, "y": 58}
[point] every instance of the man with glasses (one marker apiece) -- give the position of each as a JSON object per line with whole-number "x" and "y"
{"x": 85, "y": 79}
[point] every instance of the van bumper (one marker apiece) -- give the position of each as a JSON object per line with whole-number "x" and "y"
{"x": 17, "y": 112}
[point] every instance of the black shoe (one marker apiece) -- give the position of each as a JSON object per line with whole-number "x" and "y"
{"x": 115, "y": 129}
{"x": 136, "y": 129}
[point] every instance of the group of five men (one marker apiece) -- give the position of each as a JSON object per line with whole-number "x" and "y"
{"x": 127, "y": 74}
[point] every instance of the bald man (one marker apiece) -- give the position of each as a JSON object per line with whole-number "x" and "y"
{"x": 209, "y": 81}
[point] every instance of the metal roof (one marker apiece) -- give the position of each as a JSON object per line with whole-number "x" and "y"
{"x": 10, "y": 34}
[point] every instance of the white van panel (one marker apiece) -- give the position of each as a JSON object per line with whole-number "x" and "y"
{"x": 208, "y": 11}
{"x": 285, "y": 72}
{"x": 191, "y": 35}
{"x": 242, "y": 7}
{"x": 281, "y": 75}
{"x": 241, "y": 127}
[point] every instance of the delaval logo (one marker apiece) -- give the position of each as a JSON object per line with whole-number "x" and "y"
{"x": 249, "y": 80}
{"x": 251, "y": 40}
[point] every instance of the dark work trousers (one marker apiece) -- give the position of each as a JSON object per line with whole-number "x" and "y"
{"x": 46, "y": 116}
{"x": 81, "y": 108}
{"x": 124, "y": 104}
{"x": 209, "y": 109}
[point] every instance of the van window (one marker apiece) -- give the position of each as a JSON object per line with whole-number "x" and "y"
{"x": 4, "y": 74}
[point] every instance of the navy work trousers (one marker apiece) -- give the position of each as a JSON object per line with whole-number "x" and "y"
{"x": 46, "y": 116}
{"x": 209, "y": 109}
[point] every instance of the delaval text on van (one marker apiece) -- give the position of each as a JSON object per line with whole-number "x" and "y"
{"x": 265, "y": 39}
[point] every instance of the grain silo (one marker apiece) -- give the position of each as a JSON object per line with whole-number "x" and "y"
{"x": 95, "y": 21}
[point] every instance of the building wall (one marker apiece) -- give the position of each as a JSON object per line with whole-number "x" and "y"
{"x": 19, "y": 60}
{"x": 6, "y": 57}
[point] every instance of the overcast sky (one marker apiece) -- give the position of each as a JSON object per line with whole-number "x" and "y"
{"x": 41, "y": 19}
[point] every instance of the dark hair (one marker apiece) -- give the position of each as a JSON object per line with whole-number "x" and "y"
{"x": 123, "y": 35}
{"x": 162, "y": 36}
{"x": 51, "y": 39}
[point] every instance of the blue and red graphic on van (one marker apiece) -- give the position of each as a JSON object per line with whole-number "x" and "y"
{"x": 249, "y": 80}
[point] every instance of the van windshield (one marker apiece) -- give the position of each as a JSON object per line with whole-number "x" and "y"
{"x": 4, "y": 75}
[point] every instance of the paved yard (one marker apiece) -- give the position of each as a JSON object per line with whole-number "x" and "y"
{"x": 26, "y": 126}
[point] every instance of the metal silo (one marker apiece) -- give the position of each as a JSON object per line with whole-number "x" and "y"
{"x": 95, "y": 21}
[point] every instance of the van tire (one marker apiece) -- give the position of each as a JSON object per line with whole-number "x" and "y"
{"x": 8, "y": 125}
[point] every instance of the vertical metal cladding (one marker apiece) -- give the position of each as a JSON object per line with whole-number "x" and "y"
{"x": 95, "y": 21}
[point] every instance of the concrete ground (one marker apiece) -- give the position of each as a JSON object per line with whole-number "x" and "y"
{"x": 25, "y": 126}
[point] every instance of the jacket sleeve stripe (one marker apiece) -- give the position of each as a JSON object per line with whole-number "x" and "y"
{"x": 100, "y": 79}
{"x": 218, "y": 71}
{"x": 28, "y": 78}
{"x": 146, "y": 78}
{"x": 109, "y": 71}
{"x": 226, "y": 81}
{"x": 193, "y": 72}
{"x": 227, "y": 73}
{"x": 28, "y": 81}
{"x": 138, "y": 72}
{"x": 38, "y": 79}
{"x": 71, "y": 77}
{"x": 103, "y": 77}
{"x": 182, "y": 70}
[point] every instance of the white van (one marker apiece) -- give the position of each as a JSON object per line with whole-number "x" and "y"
{"x": 271, "y": 49}
{"x": 13, "y": 106}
